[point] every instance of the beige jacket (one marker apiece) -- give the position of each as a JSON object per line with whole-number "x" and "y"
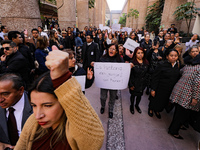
{"x": 84, "y": 130}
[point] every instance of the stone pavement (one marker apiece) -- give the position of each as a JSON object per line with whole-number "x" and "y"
{"x": 139, "y": 131}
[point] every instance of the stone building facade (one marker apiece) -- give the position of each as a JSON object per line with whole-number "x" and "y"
{"x": 25, "y": 14}
{"x": 167, "y": 17}
{"x": 20, "y": 14}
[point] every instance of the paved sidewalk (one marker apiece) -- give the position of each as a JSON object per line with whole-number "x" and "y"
{"x": 138, "y": 131}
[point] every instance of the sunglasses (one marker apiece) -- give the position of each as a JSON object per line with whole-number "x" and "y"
{"x": 6, "y": 48}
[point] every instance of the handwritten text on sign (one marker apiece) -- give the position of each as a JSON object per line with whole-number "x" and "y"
{"x": 112, "y": 75}
{"x": 131, "y": 44}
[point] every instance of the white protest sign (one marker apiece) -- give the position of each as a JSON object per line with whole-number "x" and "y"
{"x": 106, "y": 28}
{"x": 81, "y": 80}
{"x": 101, "y": 26}
{"x": 129, "y": 30}
{"x": 122, "y": 30}
{"x": 113, "y": 76}
{"x": 131, "y": 44}
{"x": 116, "y": 27}
{"x": 139, "y": 36}
{"x": 125, "y": 28}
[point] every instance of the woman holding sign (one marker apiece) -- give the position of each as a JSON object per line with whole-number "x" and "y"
{"x": 137, "y": 81}
{"x": 111, "y": 56}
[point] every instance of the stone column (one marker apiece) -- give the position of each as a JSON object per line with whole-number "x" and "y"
{"x": 127, "y": 18}
{"x": 66, "y": 13}
{"x": 142, "y": 8}
{"x": 103, "y": 12}
{"x": 20, "y": 14}
{"x": 151, "y": 2}
{"x": 97, "y": 12}
{"x": 91, "y": 16}
{"x": 82, "y": 13}
{"x": 167, "y": 17}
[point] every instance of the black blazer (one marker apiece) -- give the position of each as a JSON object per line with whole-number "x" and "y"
{"x": 89, "y": 54}
{"x": 27, "y": 111}
{"x": 16, "y": 63}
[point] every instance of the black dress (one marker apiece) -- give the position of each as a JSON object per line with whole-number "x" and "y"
{"x": 163, "y": 80}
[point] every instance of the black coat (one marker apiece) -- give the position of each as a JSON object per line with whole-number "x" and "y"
{"x": 163, "y": 80}
{"x": 25, "y": 51}
{"x": 161, "y": 41}
{"x": 89, "y": 53}
{"x": 138, "y": 79}
{"x": 66, "y": 42}
{"x": 101, "y": 46}
{"x": 96, "y": 39}
{"x": 146, "y": 46}
{"x": 122, "y": 41}
{"x": 52, "y": 42}
{"x": 16, "y": 63}
{"x": 153, "y": 60}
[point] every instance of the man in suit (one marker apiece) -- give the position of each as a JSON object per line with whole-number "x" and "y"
{"x": 16, "y": 37}
{"x": 90, "y": 53}
{"x": 12, "y": 95}
{"x": 76, "y": 30}
{"x": 35, "y": 34}
{"x": 12, "y": 61}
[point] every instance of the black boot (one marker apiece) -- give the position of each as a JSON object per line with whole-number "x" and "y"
{"x": 150, "y": 112}
{"x": 110, "y": 115}
{"x": 102, "y": 110}
{"x": 138, "y": 109}
{"x": 132, "y": 109}
{"x": 157, "y": 114}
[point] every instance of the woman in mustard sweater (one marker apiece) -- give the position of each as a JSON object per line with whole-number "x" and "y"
{"x": 63, "y": 117}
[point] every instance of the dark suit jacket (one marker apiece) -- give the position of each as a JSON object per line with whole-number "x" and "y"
{"x": 16, "y": 63}
{"x": 33, "y": 42}
{"x": 27, "y": 111}
{"x": 25, "y": 51}
{"x": 89, "y": 54}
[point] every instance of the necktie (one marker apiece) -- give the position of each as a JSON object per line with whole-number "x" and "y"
{"x": 12, "y": 127}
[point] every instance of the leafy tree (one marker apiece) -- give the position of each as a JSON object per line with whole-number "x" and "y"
{"x": 122, "y": 20}
{"x": 133, "y": 14}
{"x": 186, "y": 11}
{"x": 154, "y": 15}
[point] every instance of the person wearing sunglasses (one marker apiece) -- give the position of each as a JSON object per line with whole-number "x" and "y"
{"x": 12, "y": 61}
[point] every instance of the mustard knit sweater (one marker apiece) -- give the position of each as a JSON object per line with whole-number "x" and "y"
{"x": 84, "y": 130}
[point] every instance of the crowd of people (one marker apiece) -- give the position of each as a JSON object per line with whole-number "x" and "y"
{"x": 43, "y": 63}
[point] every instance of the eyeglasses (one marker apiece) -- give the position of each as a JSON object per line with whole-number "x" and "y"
{"x": 112, "y": 49}
{"x": 6, "y": 48}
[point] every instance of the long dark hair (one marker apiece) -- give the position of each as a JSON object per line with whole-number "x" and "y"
{"x": 145, "y": 61}
{"x": 42, "y": 84}
{"x": 118, "y": 58}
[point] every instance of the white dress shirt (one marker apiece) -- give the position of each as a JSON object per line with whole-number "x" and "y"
{"x": 19, "y": 107}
